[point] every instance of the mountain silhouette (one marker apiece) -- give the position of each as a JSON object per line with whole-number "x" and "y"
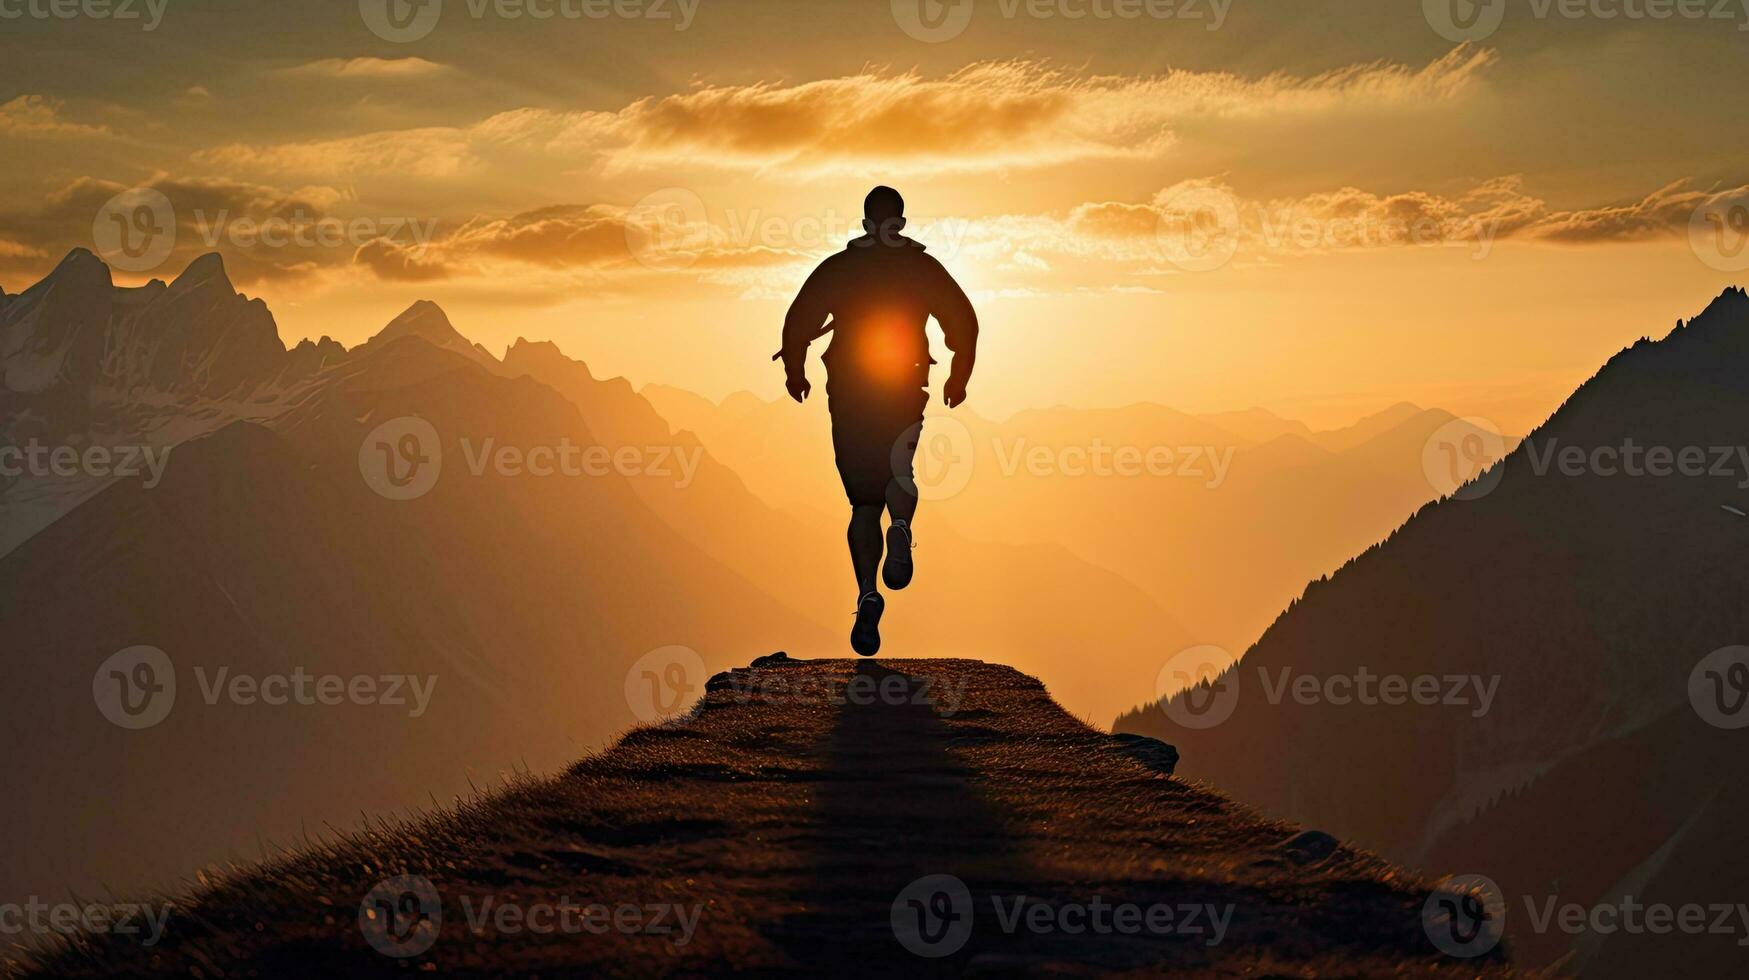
{"x": 816, "y": 817}
{"x": 1590, "y": 595}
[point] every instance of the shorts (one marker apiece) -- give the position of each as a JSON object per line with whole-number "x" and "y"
{"x": 874, "y": 436}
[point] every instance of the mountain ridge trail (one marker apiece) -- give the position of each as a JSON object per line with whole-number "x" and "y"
{"x": 781, "y": 826}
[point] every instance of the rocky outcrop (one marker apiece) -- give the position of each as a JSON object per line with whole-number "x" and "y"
{"x": 828, "y": 817}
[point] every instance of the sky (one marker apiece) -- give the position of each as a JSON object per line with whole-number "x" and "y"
{"x": 1318, "y": 208}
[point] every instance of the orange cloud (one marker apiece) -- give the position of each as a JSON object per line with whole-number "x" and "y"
{"x": 33, "y": 116}
{"x": 430, "y": 152}
{"x": 373, "y": 68}
{"x": 984, "y": 116}
{"x": 1498, "y": 210}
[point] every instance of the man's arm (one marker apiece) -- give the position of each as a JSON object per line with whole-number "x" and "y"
{"x": 806, "y": 315}
{"x": 959, "y": 326}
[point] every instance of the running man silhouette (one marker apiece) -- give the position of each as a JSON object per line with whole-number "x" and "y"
{"x": 875, "y": 298}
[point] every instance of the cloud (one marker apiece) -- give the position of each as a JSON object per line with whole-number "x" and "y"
{"x": 1348, "y": 217}
{"x": 1100, "y": 245}
{"x": 1108, "y": 245}
{"x": 210, "y": 215}
{"x": 33, "y": 116}
{"x": 570, "y": 237}
{"x": 1668, "y": 210}
{"x": 396, "y": 262}
{"x": 366, "y": 68}
{"x": 430, "y": 152}
{"x": 985, "y": 116}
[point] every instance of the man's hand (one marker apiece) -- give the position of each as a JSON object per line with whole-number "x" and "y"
{"x": 798, "y": 388}
{"x": 954, "y": 393}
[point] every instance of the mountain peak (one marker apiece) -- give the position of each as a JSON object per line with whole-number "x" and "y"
{"x": 537, "y": 351}
{"x": 423, "y": 319}
{"x": 427, "y": 321}
{"x": 543, "y": 347}
{"x": 208, "y": 268}
{"x": 82, "y": 267}
{"x": 1732, "y": 298}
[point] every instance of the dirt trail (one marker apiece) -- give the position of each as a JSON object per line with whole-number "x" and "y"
{"x": 938, "y": 817}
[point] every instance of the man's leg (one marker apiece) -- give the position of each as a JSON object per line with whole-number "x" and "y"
{"x": 901, "y": 506}
{"x": 865, "y": 556}
{"x": 865, "y": 545}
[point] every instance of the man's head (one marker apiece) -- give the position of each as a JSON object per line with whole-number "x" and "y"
{"x": 883, "y": 213}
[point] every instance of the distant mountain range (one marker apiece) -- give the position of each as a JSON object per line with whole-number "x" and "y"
{"x": 1586, "y": 595}
{"x": 1222, "y": 525}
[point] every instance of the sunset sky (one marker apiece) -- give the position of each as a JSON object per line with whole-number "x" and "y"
{"x": 649, "y": 187}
